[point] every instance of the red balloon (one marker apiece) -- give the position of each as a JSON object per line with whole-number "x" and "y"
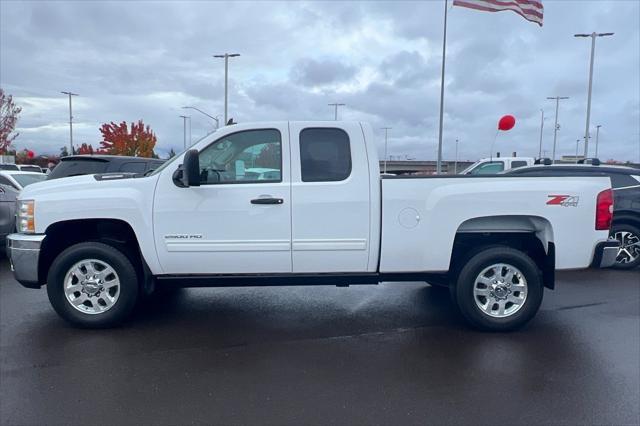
{"x": 30, "y": 154}
{"x": 506, "y": 123}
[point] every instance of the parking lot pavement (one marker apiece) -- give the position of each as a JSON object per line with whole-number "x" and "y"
{"x": 390, "y": 354}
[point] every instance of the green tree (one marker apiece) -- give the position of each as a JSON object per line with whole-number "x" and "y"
{"x": 85, "y": 149}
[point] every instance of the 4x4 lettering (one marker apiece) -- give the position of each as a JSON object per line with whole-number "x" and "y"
{"x": 563, "y": 200}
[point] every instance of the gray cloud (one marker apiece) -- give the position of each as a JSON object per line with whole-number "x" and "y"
{"x": 147, "y": 59}
{"x": 311, "y": 72}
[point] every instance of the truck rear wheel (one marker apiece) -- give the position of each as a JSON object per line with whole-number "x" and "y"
{"x": 499, "y": 289}
{"x": 92, "y": 285}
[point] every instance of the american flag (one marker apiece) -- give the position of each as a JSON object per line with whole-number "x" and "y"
{"x": 531, "y": 10}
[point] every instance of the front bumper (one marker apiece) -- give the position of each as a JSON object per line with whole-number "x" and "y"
{"x": 23, "y": 251}
{"x": 605, "y": 254}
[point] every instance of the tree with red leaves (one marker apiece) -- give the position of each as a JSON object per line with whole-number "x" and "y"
{"x": 8, "y": 119}
{"x": 139, "y": 141}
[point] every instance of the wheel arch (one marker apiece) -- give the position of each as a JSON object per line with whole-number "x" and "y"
{"x": 115, "y": 232}
{"x": 626, "y": 217}
{"x": 532, "y": 235}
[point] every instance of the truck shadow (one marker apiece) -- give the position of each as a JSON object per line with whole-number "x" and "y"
{"x": 301, "y": 312}
{"x": 214, "y": 319}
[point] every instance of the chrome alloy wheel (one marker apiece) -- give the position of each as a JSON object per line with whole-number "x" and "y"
{"x": 629, "y": 246}
{"x": 500, "y": 290}
{"x": 92, "y": 286}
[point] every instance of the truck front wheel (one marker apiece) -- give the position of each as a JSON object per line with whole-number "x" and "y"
{"x": 499, "y": 289}
{"x": 92, "y": 285}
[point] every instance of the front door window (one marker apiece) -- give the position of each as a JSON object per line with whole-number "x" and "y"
{"x": 253, "y": 156}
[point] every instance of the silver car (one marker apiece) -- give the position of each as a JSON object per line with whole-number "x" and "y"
{"x": 19, "y": 179}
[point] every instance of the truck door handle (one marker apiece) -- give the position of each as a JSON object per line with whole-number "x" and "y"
{"x": 267, "y": 200}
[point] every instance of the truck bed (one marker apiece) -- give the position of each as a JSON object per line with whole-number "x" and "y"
{"x": 430, "y": 211}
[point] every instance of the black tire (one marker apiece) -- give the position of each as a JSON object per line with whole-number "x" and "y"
{"x": 625, "y": 227}
{"x": 463, "y": 293}
{"x": 128, "y": 292}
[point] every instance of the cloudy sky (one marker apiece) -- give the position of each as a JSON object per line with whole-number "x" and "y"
{"x": 144, "y": 60}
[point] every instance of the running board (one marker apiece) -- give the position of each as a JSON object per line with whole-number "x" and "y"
{"x": 268, "y": 280}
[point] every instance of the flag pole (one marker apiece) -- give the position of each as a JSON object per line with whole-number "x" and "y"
{"x": 444, "y": 51}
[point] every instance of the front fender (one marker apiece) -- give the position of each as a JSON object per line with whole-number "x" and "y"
{"x": 84, "y": 197}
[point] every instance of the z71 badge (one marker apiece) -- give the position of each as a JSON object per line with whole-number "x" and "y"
{"x": 563, "y": 200}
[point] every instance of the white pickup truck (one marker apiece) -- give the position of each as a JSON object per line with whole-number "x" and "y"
{"x": 321, "y": 215}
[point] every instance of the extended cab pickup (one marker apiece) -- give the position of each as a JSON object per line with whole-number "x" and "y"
{"x": 321, "y": 215}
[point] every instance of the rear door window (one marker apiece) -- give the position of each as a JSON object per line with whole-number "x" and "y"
{"x": 516, "y": 164}
{"x": 78, "y": 167}
{"x": 325, "y": 155}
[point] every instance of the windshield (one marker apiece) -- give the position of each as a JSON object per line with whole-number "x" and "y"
{"x": 484, "y": 167}
{"x": 68, "y": 168}
{"x": 163, "y": 166}
{"x": 28, "y": 179}
{"x": 489, "y": 168}
{"x": 468, "y": 169}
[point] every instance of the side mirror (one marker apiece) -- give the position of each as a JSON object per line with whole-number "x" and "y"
{"x": 191, "y": 168}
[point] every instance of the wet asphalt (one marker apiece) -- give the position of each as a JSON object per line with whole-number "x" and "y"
{"x": 392, "y": 354}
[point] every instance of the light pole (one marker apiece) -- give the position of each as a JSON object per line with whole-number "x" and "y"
{"x": 184, "y": 130}
{"x": 593, "y": 49}
{"x": 335, "y": 117}
{"x": 226, "y": 57}
{"x": 202, "y": 112}
{"x": 386, "y": 134}
{"x": 70, "y": 120}
{"x": 577, "y": 142}
{"x": 440, "y": 123}
{"x": 455, "y": 167}
{"x": 541, "y": 127}
{"x": 597, "y": 137}
{"x": 555, "y": 129}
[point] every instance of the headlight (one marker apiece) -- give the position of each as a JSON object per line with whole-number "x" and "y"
{"x": 26, "y": 220}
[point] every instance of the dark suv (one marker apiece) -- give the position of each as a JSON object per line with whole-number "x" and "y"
{"x": 75, "y": 165}
{"x": 626, "y": 198}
